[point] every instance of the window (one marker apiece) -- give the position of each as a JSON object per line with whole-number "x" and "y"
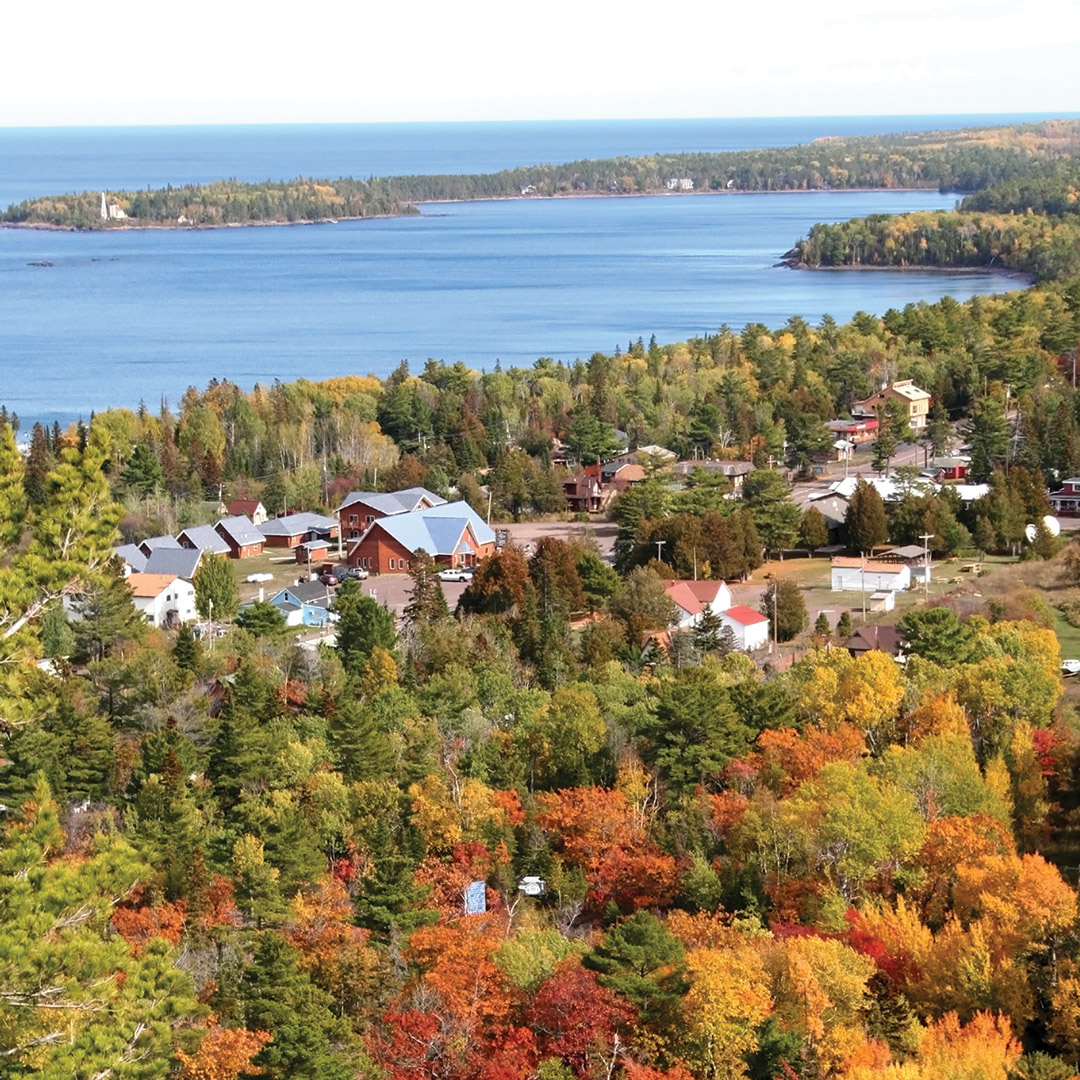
{"x": 370, "y": 518}
{"x": 353, "y": 519}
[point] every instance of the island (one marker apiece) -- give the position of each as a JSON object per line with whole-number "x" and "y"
{"x": 967, "y": 161}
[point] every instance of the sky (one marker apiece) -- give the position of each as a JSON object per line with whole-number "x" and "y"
{"x": 339, "y": 61}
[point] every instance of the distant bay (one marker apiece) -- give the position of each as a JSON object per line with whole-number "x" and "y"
{"x": 109, "y": 319}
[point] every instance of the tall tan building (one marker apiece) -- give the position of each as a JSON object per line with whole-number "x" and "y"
{"x": 916, "y": 400}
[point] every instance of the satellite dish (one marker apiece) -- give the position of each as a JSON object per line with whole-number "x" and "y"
{"x": 1053, "y": 526}
{"x": 1029, "y": 532}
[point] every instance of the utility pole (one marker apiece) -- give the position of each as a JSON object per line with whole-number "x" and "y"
{"x": 210, "y": 622}
{"x": 862, "y": 584}
{"x": 925, "y": 538}
{"x": 659, "y": 545}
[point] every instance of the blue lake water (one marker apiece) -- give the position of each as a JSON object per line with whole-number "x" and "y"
{"x": 124, "y": 316}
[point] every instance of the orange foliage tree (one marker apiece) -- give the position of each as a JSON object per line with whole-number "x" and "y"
{"x": 223, "y": 1054}
{"x": 597, "y": 830}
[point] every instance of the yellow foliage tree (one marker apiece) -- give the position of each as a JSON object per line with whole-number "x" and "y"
{"x": 727, "y": 1002}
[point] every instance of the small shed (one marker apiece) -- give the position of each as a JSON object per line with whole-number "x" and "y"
{"x": 750, "y": 627}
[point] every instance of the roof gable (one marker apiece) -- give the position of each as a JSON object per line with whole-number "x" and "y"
{"x": 149, "y": 586}
{"x": 177, "y": 562}
{"x": 206, "y": 538}
{"x": 240, "y": 530}
{"x": 745, "y": 616}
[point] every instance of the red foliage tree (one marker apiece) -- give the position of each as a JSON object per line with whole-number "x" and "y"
{"x": 573, "y": 1017}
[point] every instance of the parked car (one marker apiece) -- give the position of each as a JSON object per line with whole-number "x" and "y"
{"x": 257, "y": 578}
{"x": 328, "y": 578}
{"x": 1070, "y": 667}
{"x": 358, "y": 573}
{"x": 456, "y": 573}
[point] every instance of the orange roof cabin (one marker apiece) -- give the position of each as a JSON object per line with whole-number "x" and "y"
{"x": 244, "y": 540}
{"x": 360, "y": 508}
{"x": 453, "y": 534}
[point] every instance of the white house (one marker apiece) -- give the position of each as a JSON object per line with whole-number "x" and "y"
{"x": 750, "y": 627}
{"x": 162, "y": 599}
{"x": 870, "y": 575}
{"x": 693, "y": 597}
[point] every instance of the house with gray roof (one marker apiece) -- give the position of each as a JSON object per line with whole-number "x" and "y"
{"x": 176, "y": 562}
{"x": 133, "y": 558}
{"x": 306, "y": 603}
{"x": 293, "y": 529}
{"x": 152, "y": 542}
{"x": 205, "y": 538}
{"x": 243, "y": 538}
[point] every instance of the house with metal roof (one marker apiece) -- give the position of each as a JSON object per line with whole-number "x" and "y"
{"x": 178, "y": 562}
{"x": 240, "y": 534}
{"x": 750, "y": 627}
{"x": 360, "y": 508}
{"x": 205, "y": 538}
{"x": 132, "y": 556}
{"x": 453, "y": 534}
{"x": 855, "y": 574}
{"x": 293, "y": 529}
{"x": 152, "y": 542}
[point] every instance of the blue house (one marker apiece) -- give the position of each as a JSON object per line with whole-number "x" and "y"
{"x": 306, "y": 604}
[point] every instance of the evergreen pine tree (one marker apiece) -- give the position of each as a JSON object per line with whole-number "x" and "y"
{"x": 361, "y": 751}
{"x": 391, "y": 900}
{"x": 310, "y": 1042}
{"x": 866, "y": 523}
{"x": 186, "y": 651}
{"x": 844, "y": 627}
{"x": 427, "y": 601}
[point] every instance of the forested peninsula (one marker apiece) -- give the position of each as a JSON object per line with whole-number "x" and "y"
{"x": 970, "y": 160}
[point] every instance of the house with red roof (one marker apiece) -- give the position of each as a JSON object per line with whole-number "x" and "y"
{"x": 750, "y": 627}
{"x": 250, "y": 508}
{"x": 692, "y": 598}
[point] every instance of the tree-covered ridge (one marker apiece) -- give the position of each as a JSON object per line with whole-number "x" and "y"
{"x": 1048, "y": 248}
{"x": 1028, "y": 222}
{"x": 223, "y": 202}
{"x": 966, "y": 160}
